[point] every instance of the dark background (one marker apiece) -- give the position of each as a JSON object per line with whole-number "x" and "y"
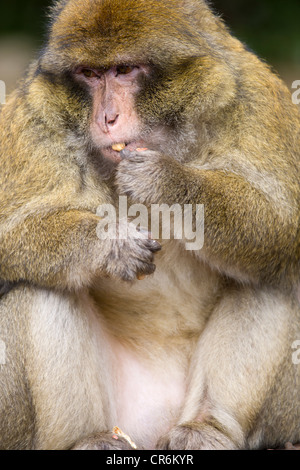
{"x": 270, "y": 27}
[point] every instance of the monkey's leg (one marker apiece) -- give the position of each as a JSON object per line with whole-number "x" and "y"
{"x": 55, "y": 384}
{"x": 244, "y": 390}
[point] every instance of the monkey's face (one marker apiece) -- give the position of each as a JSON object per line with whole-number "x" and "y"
{"x": 136, "y": 72}
{"x": 128, "y": 67}
{"x": 114, "y": 121}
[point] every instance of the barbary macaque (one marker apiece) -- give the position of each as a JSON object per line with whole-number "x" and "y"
{"x": 182, "y": 349}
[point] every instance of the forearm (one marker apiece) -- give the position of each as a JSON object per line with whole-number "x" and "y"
{"x": 69, "y": 250}
{"x": 47, "y": 250}
{"x": 244, "y": 231}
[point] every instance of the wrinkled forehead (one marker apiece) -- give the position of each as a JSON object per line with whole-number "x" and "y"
{"x": 114, "y": 31}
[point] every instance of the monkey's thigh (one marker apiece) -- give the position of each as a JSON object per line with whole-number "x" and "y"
{"x": 243, "y": 376}
{"x": 54, "y": 388}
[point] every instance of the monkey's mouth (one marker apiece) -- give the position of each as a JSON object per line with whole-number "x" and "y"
{"x": 114, "y": 151}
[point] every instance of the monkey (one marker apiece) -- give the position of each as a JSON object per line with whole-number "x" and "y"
{"x": 198, "y": 355}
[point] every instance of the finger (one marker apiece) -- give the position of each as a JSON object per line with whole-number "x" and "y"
{"x": 154, "y": 246}
{"x": 147, "y": 270}
{"x": 150, "y": 244}
{"x": 125, "y": 154}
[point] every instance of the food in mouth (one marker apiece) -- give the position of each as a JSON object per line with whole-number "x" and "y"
{"x": 118, "y": 147}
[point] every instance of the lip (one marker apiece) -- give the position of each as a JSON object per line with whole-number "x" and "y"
{"x": 111, "y": 154}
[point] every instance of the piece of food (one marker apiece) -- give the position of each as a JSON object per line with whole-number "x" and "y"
{"x": 117, "y": 431}
{"x": 141, "y": 277}
{"x": 118, "y": 147}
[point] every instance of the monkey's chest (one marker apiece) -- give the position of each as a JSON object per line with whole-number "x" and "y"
{"x": 153, "y": 329}
{"x": 147, "y": 396}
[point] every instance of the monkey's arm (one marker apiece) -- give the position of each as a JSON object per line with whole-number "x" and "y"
{"x": 48, "y": 202}
{"x": 247, "y": 235}
{"x": 62, "y": 250}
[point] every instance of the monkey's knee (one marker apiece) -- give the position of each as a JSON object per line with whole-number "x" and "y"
{"x": 197, "y": 436}
{"x": 102, "y": 441}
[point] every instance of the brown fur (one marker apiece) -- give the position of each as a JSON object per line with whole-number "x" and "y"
{"x": 197, "y": 356}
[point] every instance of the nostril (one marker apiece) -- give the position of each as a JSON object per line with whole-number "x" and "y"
{"x": 111, "y": 120}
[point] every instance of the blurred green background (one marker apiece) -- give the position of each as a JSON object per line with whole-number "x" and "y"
{"x": 270, "y": 27}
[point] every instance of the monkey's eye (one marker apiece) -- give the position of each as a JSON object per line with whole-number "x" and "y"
{"x": 124, "y": 69}
{"x": 88, "y": 73}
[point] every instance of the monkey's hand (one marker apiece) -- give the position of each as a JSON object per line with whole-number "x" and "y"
{"x": 144, "y": 176}
{"x": 103, "y": 441}
{"x": 131, "y": 257}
